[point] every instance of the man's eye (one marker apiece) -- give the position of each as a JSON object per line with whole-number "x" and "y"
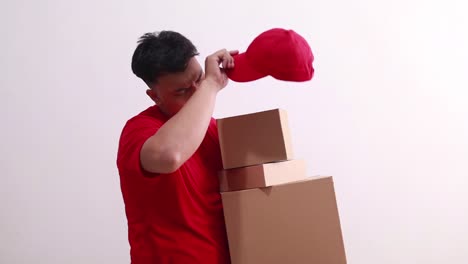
{"x": 183, "y": 91}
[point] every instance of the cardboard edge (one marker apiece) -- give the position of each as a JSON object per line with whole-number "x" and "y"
{"x": 258, "y": 170}
{"x": 265, "y": 189}
{"x": 286, "y": 133}
{"x": 220, "y": 127}
{"x": 249, "y": 114}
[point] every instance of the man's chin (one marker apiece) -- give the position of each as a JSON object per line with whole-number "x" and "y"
{"x": 168, "y": 112}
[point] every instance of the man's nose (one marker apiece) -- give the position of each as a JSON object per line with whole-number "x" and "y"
{"x": 195, "y": 85}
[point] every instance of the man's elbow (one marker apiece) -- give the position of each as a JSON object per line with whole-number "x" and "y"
{"x": 172, "y": 162}
{"x": 161, "y": 162}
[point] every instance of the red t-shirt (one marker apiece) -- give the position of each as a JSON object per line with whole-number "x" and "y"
{"x": 172, "y": 218}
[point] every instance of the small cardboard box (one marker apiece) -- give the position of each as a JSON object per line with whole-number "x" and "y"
{"x": 254, "y": 138}
{"x": 262, "y": 175}
{"x": 290, "y": 223}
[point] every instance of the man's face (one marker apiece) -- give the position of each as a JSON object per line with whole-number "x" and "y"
{"x": 172, "y": 91}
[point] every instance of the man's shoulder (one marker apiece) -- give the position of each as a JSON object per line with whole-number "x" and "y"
{"x": 136, "y": 131}
{"x": 150, "y": 114}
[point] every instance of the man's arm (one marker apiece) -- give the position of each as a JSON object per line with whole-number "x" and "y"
{"x": 177, "y": 140}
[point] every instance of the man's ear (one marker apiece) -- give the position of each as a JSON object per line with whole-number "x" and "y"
{"x": 153, "y": 95}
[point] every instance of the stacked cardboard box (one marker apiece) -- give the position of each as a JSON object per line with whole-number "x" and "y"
{"x": 274, "y": 213}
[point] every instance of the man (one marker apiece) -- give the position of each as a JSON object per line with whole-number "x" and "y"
{"x": 169, "y": 155}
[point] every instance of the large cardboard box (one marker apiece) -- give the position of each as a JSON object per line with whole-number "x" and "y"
{"x": 262, "y": 175}
{"x": 254, "y": 138}
{"x": 290, "y": 223}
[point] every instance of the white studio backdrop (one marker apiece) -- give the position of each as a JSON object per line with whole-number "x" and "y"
{"x": 385, "y": 115}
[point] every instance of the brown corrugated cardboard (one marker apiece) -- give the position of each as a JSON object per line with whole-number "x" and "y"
{"x": 262, "y": 175}
{"x": 290, "y": 223}
{"x": 254, "y": 138}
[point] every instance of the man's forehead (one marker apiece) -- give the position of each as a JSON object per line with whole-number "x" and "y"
{"x": 177, "y": 78}
{"x": 191, "y": 74}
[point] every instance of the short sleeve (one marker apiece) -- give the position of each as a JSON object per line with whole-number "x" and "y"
{"x": 134, "y": 135}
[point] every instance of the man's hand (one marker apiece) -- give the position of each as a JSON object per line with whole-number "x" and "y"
{"x": 213, "y": 72}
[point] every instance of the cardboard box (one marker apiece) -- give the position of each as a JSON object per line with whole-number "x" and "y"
{"x": 262, "y": 175}
{"x": 290, "y": 223}
{"x": 254, "y": 138}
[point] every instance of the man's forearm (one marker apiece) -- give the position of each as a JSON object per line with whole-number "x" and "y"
{"x": 181, "y": 136}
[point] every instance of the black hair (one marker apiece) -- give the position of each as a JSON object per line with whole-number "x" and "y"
{"x": 161, "y": 53}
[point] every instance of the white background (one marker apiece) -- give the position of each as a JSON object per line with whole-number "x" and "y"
{"x": 385, "y": 115}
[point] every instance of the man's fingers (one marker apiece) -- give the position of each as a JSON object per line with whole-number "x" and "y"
{"x": 228, "y": 64}
{"x": 228, "y": 60}
{"x": 220, "y": 54}
{"x": 225, "y": 62}
{"x": 224, "y": 58}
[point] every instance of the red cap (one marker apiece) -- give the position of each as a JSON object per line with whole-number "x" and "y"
{"x": 280, "y": 53}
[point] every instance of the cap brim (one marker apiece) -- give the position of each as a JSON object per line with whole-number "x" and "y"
{"x": 243, "y": 71}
